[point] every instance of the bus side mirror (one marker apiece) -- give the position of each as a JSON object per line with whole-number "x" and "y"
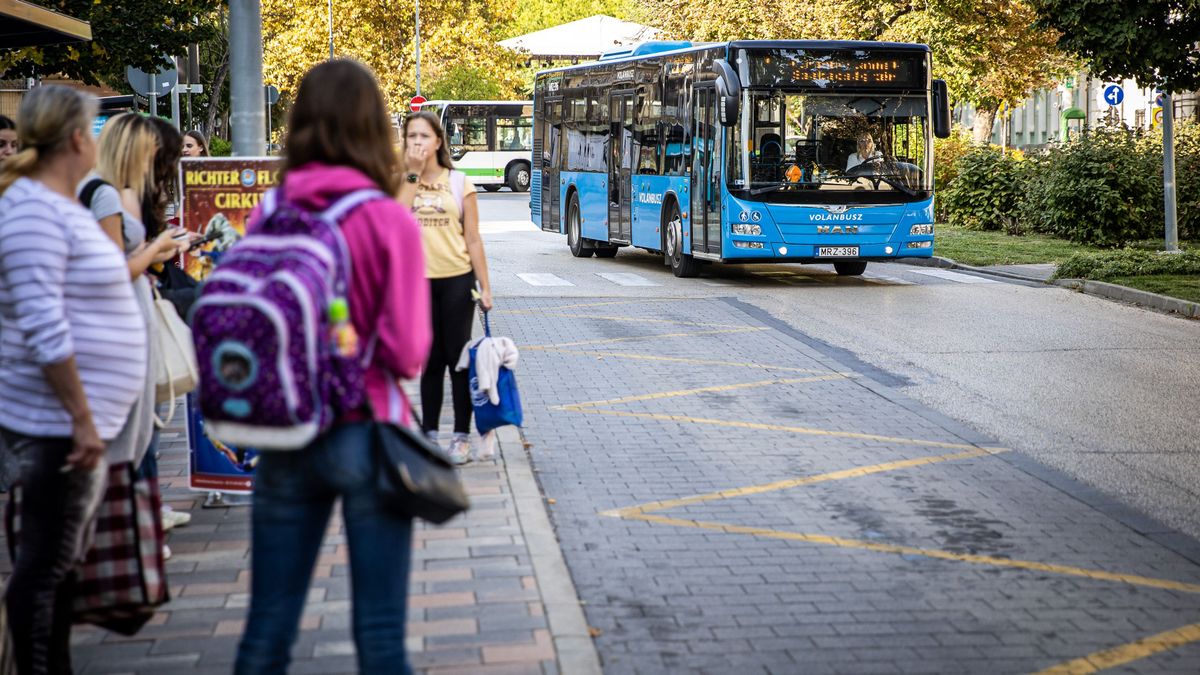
{"x": 941, "y": 109}
{"x": 729, "y": 93}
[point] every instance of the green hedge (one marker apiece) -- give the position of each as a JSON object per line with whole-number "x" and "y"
{"x": 986, "y": 192}
{"x": 1103, "y": 187}
{"x": 1127, "y": 263}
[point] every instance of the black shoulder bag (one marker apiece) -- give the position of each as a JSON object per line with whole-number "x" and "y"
{"x": 416, "y": 478}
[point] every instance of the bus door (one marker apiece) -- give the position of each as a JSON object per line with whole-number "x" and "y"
{"x": 550, "y": 158}
{"x": 620, "y": 165}
{"x": 706, "y": 172}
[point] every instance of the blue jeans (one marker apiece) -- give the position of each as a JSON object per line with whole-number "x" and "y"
{"x": 294, "y": 494}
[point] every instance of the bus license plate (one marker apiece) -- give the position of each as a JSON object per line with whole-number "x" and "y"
{"x": 837, "y": 251}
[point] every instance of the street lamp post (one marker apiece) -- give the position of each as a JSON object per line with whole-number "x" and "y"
{"x": 330, "y": 30}
{"x": 247, "y": 111}
{"x": 418, "y": 47}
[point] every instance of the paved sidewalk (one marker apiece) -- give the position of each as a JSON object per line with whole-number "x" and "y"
{"x": 476, "y": 603}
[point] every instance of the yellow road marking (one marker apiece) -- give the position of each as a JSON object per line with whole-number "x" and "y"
{"x": 774, "y": 427}
{"x": 578, "y": 407}
{"x": 857, "y": 472}
{"x": 843, "y": 542}
{"x": 1119, "y": 656}
{"x": 559, "y": 345}
{"x": 638, "y": 319}
{"x": 698, "y": 362}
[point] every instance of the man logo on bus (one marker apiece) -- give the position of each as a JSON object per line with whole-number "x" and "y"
{"x": 837, "y": 229}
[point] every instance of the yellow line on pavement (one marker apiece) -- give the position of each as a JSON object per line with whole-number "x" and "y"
{"x": 579, "y": 407}
{"x": 773, "y": 427}
{"x": 639, "y": 319}
{"x": 856, "y": 472}
{"x": 698, "y": 362}
{"x": 1119, "y": 656}
{"x": 559, "y": 345}
{"x": 842, "y": 542}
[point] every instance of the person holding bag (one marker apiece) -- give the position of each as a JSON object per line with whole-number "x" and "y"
{"x": 75, "y": 348}
{"x": 444, "y": 203}
{"x": 338, "y": 146}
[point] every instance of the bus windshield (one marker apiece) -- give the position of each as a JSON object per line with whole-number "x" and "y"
{"x": 812, "y": 143}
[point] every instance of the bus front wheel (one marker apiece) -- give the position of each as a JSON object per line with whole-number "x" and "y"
{"x": 682, "y": 264}
{"x": 518, "y": 177}
{"x": 574, "y": 235}
{"x": 850, "y": 268}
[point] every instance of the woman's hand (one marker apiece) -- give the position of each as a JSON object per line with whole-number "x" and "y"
{"x": 485, "y": 300}
{"x": 170, "y": 243}
{"x": 415, "y": 156}
{"x": 87, "y": 448}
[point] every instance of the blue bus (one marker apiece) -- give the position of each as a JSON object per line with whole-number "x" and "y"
{"x": 737, "y": 152}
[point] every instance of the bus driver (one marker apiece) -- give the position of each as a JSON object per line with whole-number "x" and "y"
{"x": 866, "y": 151}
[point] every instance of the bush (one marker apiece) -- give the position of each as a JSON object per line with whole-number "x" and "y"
{"x": 1127, "y": 263}
{"x": 946, "y": 153}
{"x": 219, "y": 147}
{"x": 986, "y": 192}
{"x": 1100, "y": 188}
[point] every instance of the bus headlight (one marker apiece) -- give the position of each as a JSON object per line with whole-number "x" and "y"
{"x": 919, "y": 244}
{"x": 921, "y": 229}
{"x": 747, "y": 228}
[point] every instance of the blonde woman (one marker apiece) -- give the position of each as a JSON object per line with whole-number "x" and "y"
{"x": 114, "y": 194}
{"x": 74, "y": 344}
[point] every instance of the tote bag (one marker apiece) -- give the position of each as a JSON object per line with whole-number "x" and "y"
{"x": 177, "y": 370}
{"x": 488, "y": 415}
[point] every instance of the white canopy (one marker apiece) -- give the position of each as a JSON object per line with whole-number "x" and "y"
{"x": 583, "y": 39}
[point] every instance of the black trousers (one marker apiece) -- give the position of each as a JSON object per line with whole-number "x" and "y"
{"x": 453, "y": 310}
{"x": 55, "y": 510}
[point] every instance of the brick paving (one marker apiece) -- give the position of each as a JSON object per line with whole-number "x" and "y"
{"x": 475, "y": 606}
{"x": 901, "y": 570}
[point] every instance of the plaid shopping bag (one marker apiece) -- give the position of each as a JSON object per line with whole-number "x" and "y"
{"x": 122, "y": 579}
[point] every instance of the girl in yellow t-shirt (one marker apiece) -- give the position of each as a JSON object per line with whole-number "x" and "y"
{"x": 444, "y": 203}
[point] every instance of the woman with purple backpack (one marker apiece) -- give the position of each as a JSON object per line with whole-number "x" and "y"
{"x": 339, "y": 143}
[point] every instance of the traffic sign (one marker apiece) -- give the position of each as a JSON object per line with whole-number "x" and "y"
{"x": 1158, "y": 99}
{"x": 1158, "y": 114}
{"x": 414, "y": 103}
{"x": 159, "y": 84}
{"x": 1114, "y": 94}
{"x": 272, "y": 94}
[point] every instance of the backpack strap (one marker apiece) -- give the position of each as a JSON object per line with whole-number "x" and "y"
{"x": 342, "y": 207}
{"x": 458, "y": 185}
{"x": 270, "y": 201}
{"x": 88, "y": 193}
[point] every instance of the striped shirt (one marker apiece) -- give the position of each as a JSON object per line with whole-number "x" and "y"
{"x": 64, "y": 290}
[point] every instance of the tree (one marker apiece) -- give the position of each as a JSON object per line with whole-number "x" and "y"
{"x": 456, "y": 35}
{"x": 988, "y": 51}
{"x": 136, "y": 33}
{"x": 1151, "y": 41}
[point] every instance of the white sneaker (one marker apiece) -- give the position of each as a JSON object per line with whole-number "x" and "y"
{"x": 460, "y": 450}
{"x": 166, "y": 552}
{"x": 172, "y": 518}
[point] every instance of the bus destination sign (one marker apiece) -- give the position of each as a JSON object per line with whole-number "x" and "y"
{"x": 780, "y": 67}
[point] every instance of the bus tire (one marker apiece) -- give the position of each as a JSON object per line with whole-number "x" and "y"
{"x": 574, "y": 233}
{"x": 682, "y": 265}
{"x": 850, "y": 268}
{"x": 606, "y": 252}
{"x": 488, "y": 187}
{"x": 518, "y": 177}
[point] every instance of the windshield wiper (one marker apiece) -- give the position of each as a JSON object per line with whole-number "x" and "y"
{"x": 770, "y": 188}
{"x": 899, "y": 185}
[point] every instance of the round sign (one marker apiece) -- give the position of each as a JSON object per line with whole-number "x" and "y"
{"x": 1158, "y": 114}
{"x": 414, "y": 103}
{"x": 1113, "y": 94}
{"x": 1158, "y": 99}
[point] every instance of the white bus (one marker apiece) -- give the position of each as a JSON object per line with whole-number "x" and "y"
{"x": 490, "y": 141}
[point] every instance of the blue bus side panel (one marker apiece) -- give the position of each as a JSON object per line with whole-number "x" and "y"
{"x": 648, "y": 205}
{"x": 535, "y": 197}
{"x": 593, "y": 202}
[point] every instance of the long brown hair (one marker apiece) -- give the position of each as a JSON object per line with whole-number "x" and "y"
{"x": 48, "y": 118}
{"x": 340, "y": 118}
{"x": 443, "y": 153}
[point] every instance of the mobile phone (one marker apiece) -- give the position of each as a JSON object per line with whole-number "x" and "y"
{"x": 211, "y": 236}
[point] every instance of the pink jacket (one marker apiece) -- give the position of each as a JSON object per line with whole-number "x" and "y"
{"x": 389, "y": 295}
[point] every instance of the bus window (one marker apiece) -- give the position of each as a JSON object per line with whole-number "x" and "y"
{"x": 468, "y": 135}
{"x": 514, "y": 133}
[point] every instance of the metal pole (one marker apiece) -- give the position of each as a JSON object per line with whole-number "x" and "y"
{"x": 418, "y": 47}
{"x": 330, "y": 30}
{"x": 1172, "y": 224}
{"x": 246, "y": 120}
{"x": 175, "y": 106}
{"x": 268, "y": 109}
{"x": 153, "y": 94}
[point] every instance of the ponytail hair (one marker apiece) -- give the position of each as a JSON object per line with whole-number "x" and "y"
{"x": 47, "y": 119}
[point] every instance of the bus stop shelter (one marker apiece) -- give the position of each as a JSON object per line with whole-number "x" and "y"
{"x": 24, "y": 24}
{"x": 582, "y": 40}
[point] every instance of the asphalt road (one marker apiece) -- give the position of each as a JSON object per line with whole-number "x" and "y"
{"x": 1104, "y": 392}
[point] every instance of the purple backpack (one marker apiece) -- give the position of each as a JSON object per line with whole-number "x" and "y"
{"x": 270, "y": 377}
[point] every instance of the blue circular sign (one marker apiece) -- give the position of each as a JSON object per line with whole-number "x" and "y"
{"x": 1114, "y": 94}
{"x": 248, "y": 177}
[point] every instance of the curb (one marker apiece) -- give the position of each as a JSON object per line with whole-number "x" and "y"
{"x": 1185, "y": 308}
{"x": 1162, "y": 303}
{"x": 564, "y": 613}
